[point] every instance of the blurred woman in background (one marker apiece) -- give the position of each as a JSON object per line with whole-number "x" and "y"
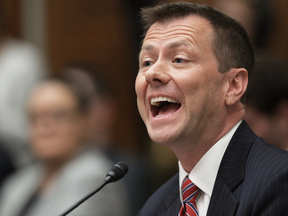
{"x": 67, "y": 168}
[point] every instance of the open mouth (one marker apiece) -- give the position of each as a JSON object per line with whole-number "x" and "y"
{"x": 163, "y": 106}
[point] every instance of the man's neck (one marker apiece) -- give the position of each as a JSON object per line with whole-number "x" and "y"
{"x": 191, "y": 153}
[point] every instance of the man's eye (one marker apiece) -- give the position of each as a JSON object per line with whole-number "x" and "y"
{"x": 147, "y": 63}
{"x": 178, "y": 60}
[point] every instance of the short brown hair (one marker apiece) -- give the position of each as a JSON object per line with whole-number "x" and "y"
{"x": 231, "y": 45}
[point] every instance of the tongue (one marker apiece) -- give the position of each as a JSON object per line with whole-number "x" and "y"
{"x": 169, "y": 108}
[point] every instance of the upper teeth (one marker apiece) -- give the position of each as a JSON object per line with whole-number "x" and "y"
{"x": 157, "y": 100}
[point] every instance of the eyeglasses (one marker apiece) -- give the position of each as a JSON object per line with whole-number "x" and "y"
{"x": 55, "y": 116}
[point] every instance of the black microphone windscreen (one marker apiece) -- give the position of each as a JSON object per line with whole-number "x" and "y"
{"x": 117, "y": 171}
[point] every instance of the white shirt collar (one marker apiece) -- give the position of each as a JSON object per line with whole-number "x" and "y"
{"x": 205, "y": 172}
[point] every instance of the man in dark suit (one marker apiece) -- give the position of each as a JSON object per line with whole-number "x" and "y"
{"x": 195, "y": 64}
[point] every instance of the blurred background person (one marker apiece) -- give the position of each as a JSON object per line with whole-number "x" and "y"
{"x": 267, "y": 101}
{"x": 256, "y": 16}
{"x": 67, "y": 166}
{"x": 6, "y": 164}
{"x": 20, "y": 70}
{"x": 102, "y": 113}
{"x": 21, "y": 67}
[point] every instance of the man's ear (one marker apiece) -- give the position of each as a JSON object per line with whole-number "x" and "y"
{"x": 237, "y": 81}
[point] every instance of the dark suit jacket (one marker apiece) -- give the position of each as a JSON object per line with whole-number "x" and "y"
{"x": 252, "y": 180}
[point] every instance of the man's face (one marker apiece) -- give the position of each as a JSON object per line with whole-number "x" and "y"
{"x": 179, "y": 88}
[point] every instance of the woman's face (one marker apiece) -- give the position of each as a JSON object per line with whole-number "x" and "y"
{"x": 57, "y": 126}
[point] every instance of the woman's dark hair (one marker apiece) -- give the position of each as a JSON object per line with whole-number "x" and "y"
{"x": 85, "y": 84}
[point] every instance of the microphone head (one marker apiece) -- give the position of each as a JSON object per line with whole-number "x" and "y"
{"x": 117, "y": 172}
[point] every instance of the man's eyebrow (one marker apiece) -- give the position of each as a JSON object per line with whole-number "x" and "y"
{"x": 147, "y": 47}
{"x": 173, "y": 45}
{"x": 177, "y": 44}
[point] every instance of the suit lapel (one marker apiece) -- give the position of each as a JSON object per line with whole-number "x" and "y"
{"x": 231, "y": 173}
{"x": 173, "y": 208}
{"x": 172, "y": 202}
{"x": 222, "y": 202}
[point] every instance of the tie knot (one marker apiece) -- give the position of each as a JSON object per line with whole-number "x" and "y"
{"x": 189, "y": 190}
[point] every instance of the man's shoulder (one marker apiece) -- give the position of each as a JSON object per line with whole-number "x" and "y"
{"x": 254, "y": 153}
{"x": 162, "y": 198}
{"x": 266, "y": 156}
{"x": 246, "y": 144}
{"x": 266, "y": 174}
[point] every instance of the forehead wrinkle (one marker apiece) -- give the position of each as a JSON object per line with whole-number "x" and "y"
{"x": 176, "y": 44}
{"x": 190, "y": 32}
{"x": 170, "y": 29}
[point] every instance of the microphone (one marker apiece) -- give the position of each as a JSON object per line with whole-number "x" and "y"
{"x": 115, "y": 173}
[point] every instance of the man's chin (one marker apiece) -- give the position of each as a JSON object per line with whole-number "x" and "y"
{"x": 162, "y": 139}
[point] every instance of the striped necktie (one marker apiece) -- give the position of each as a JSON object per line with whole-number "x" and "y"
{"x": 189, "y": 192}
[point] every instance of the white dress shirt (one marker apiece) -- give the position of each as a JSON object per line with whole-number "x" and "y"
{"x": 204, "y": 173}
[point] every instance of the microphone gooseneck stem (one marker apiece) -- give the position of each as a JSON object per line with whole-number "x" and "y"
{"x": 116, "y": 172}
{"x": 85, "y": 198}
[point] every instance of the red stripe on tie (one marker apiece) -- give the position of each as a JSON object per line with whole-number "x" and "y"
{"x": 189, "y": 193}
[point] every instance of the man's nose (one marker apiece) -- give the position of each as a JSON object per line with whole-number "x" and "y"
{"x": 157, "y": 74}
